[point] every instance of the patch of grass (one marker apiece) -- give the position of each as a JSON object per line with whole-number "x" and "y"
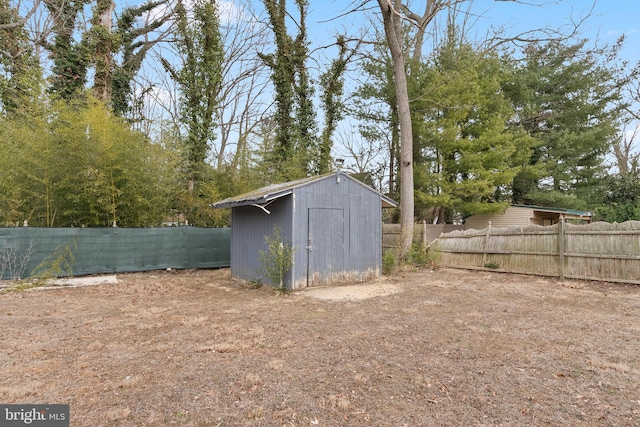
{"x": 23, "y": 285}
{"x": 282, "y": 290}
{"x": 491, "y": 265}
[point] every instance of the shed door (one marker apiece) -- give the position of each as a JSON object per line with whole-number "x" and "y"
{"x": 325, "y": 245}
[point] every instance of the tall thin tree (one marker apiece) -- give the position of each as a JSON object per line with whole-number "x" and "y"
{"x": 199, "y": 79}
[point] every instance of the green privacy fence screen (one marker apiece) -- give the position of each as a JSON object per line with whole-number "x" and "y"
{"x": 113, "y": 250}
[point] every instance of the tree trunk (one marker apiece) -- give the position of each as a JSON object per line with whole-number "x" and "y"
{"x": 393, "y": 33}
{"x": 104, "y": 50}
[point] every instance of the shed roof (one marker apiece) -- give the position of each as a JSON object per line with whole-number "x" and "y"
{"x": 265, "y": 195}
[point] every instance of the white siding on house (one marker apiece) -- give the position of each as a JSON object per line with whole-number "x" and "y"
{"x": 514, "y": 215}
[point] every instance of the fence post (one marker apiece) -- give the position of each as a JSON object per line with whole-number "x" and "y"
{"x": 486, "y": 242}
{"x": 561, "y": 247}
{"x": 424, "y": 233}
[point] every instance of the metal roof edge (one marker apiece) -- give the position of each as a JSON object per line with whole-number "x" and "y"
{"x": 264, "y": 195}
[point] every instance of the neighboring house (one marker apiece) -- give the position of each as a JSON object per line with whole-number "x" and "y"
{"x": 334, "y": 223}
{"x": 527, "y": 215}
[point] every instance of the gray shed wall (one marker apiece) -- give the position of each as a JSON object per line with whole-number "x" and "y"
{"x": 345, "y": 233}
{"x": 357, "y": 254}
{"x": 249, "y": 226}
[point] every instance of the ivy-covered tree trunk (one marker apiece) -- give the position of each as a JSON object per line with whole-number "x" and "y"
{"x": 332, "y": 84}
{"x": 103, "y": 49}
{"x": 134, "y": 44}
{"x": 305, "y": 129}
{"x": 199, "y": 80}
{"x": 70, "y": 58}
{"x": 283, "y": 71}
{"x": 299, "y": 150}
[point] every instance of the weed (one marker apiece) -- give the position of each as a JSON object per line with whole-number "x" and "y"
{"x": 389, "y": 261}
{"x": 417, "y": 255}
{"x": 21, "y": 285}
{"x": 420, "y": 256}
{"x": 13, "y": 261}
{"x": 58, "y": 263}
{"x": 491, "y": 265}
{"x": 277, "y": 259}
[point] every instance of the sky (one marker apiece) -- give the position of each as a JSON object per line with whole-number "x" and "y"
{"x": 608, "y": 20}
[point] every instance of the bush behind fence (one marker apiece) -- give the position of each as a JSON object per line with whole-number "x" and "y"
{"x": 113, "y": 250}
{"x": 598, "y": 251}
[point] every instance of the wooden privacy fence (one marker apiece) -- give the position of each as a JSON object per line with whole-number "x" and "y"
{"x": 598, "y": 251}
{"x": 422, "y": 232}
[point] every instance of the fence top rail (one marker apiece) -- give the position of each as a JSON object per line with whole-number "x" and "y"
{"x": 628, "y": 226}
{"x": 497, "y": 233}
{"x": 602, "y": 228}
{"x": 604, "y": 232}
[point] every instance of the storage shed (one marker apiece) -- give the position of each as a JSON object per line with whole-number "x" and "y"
{"x": 333, "y": 222}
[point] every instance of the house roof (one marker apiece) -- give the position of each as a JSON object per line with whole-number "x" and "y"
{"x": 265, "y": 195}
{"x": 556, "y": 210}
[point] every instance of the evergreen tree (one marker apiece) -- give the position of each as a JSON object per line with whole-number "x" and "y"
{"x": 620, "y": 198}
{"x": 374, "y": 105}
{"x": 563, "y": 96}
{"x": 464, "y": 153}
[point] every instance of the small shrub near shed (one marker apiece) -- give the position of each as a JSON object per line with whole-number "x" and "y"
{"x": 277, "y": 259}
{"x": 389, "y": 261}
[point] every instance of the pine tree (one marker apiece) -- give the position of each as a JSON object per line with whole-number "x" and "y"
{"x": 563, "y": 97}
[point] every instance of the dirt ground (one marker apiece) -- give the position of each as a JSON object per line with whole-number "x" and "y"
{"x": 420, "y": 348}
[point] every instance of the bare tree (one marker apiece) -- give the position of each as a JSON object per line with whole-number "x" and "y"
{"x": 369, "y": 156}
{"x": 627, "y": 149}
{"x": 393, "y": 16}
{"x": 242, "y": 102}
{"x": 626, "y": 152}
